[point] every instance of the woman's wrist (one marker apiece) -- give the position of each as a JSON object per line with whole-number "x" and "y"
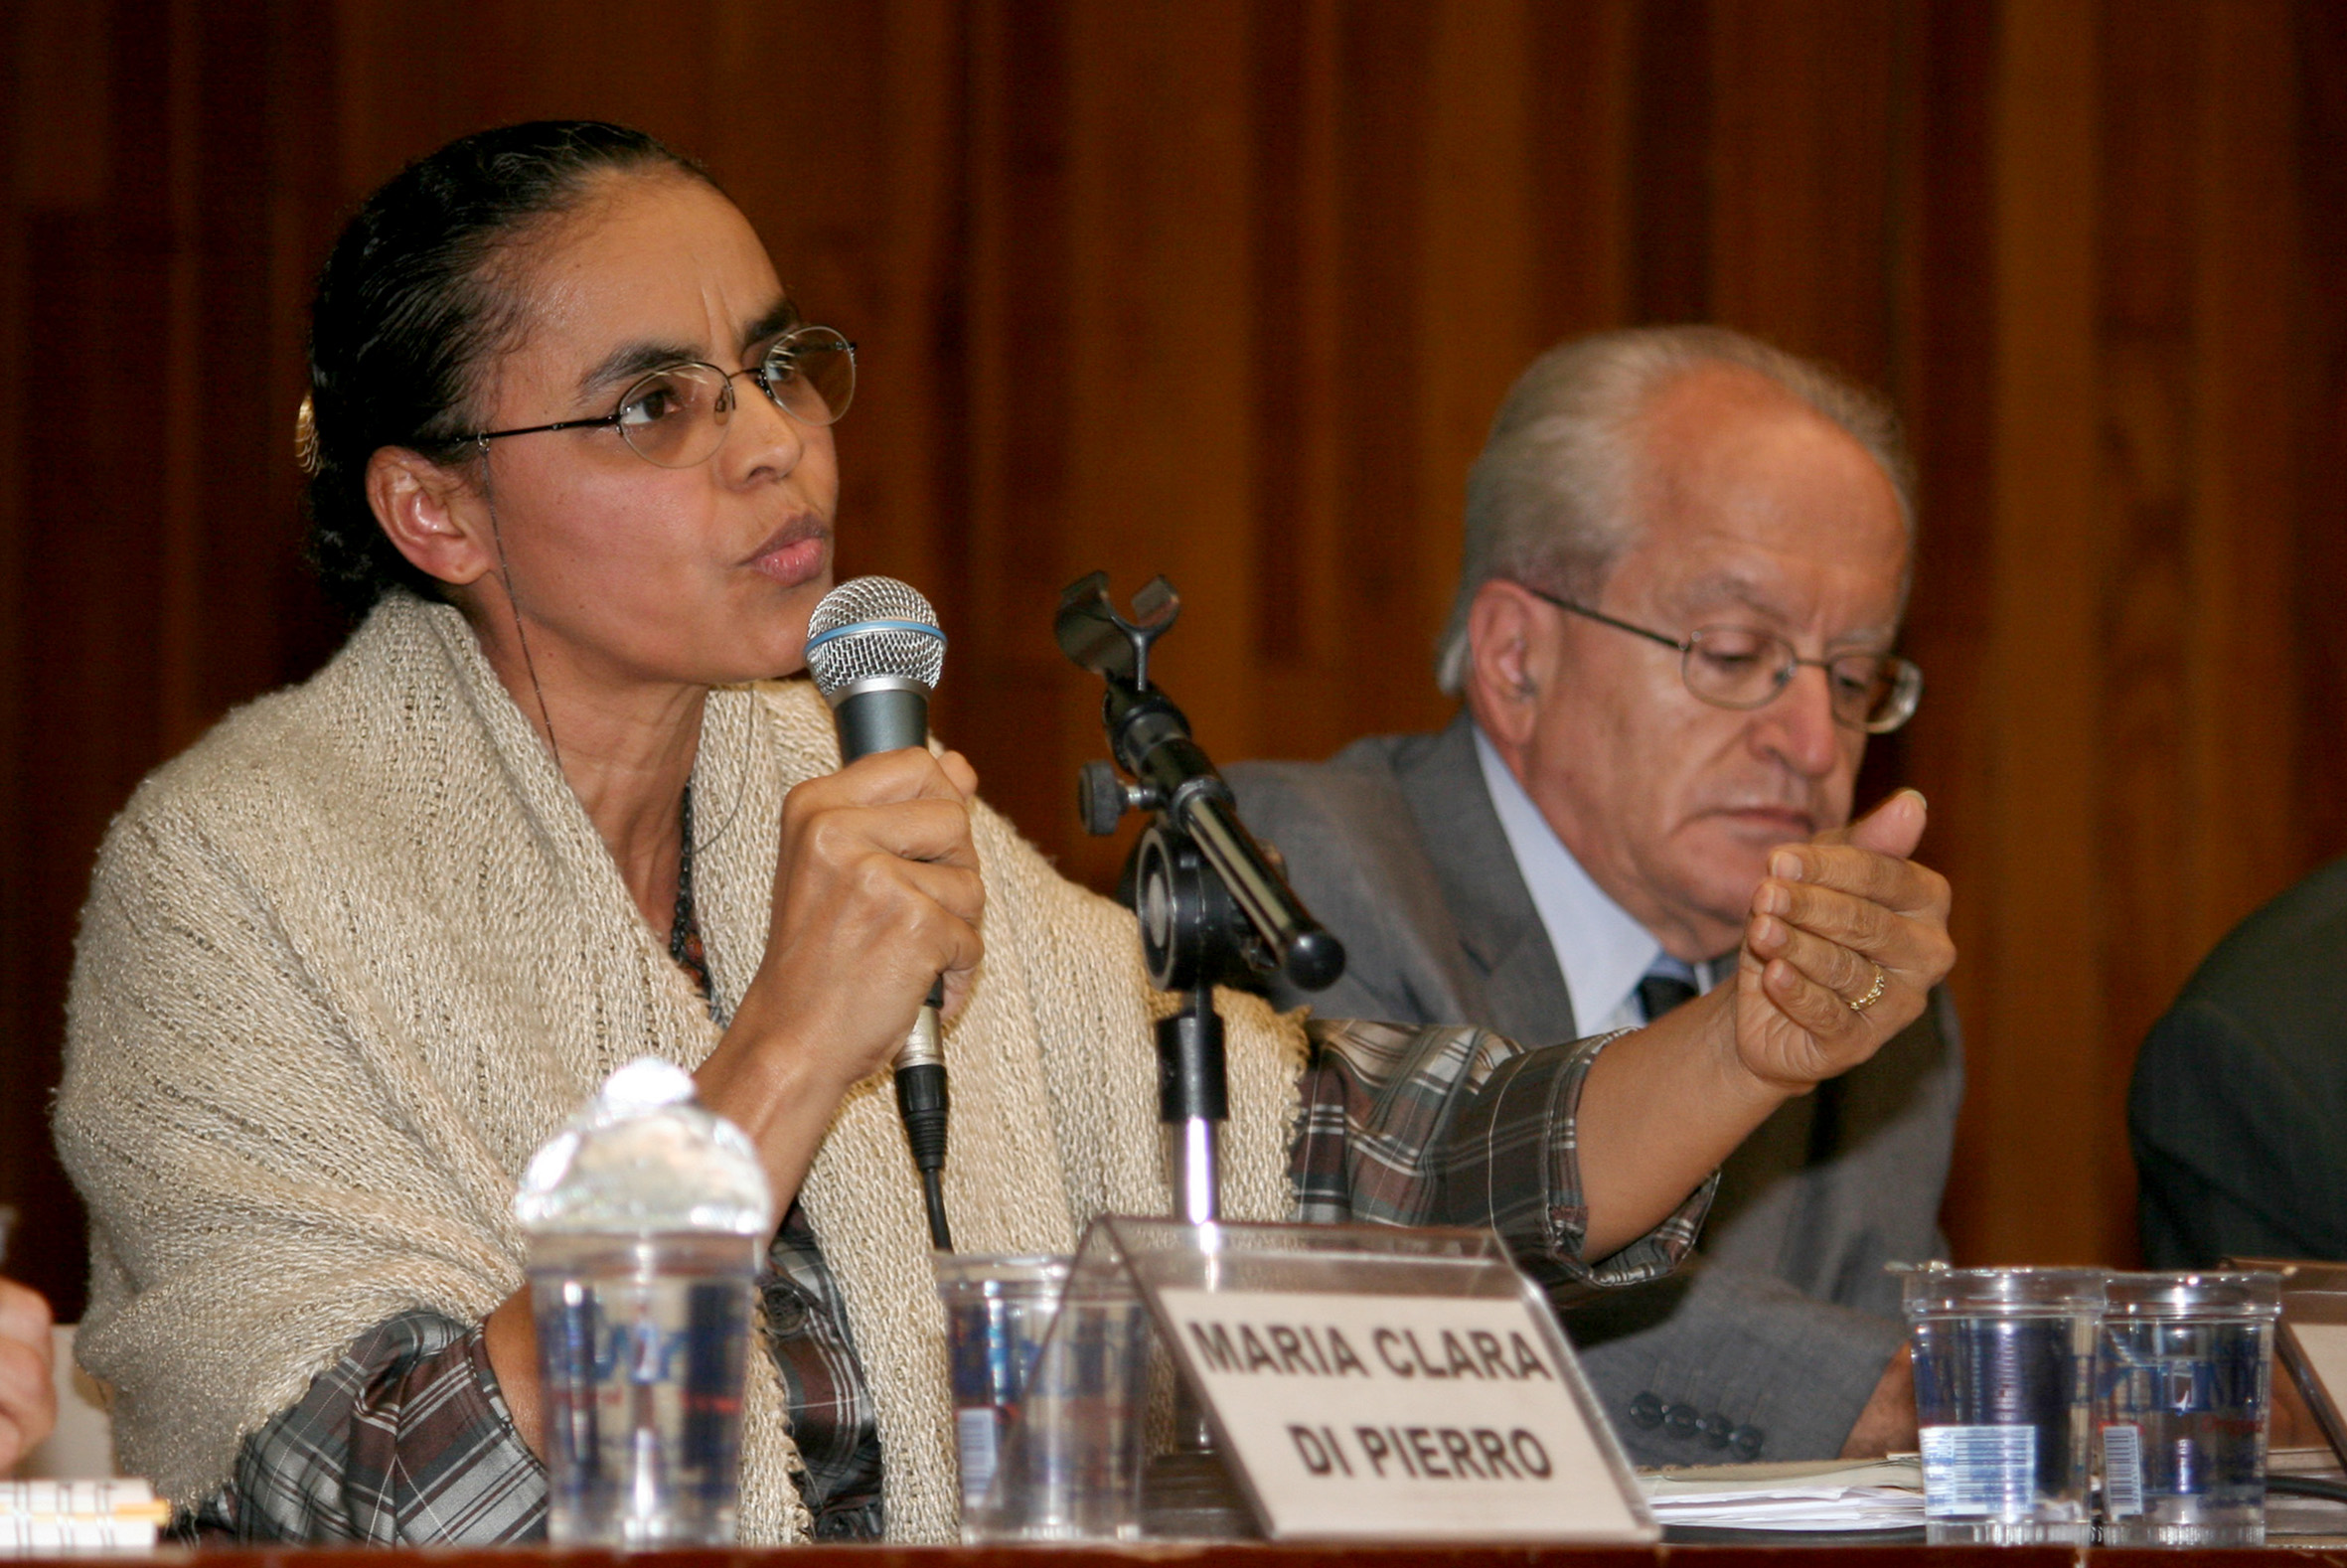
{"x": 510, "y": 1334}
{"x": 765, "y": 1079}
{"x": 769, "y": 1049}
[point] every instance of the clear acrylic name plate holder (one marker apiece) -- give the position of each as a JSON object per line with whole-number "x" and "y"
{"x": 2313, "y": 1343}
{"x": 1361, "y": 1383}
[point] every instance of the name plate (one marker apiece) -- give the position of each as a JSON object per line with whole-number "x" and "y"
{"x": 1384, "y": 1417}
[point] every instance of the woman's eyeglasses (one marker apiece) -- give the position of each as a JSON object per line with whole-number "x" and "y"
{"x": 676, "y": 415}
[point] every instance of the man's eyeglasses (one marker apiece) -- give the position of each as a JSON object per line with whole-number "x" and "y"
{"x": 676, "y": 416}
{"x": 1742, "y": 666}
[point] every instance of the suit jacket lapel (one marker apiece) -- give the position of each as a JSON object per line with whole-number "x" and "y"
{"x": 1499, "y": 928}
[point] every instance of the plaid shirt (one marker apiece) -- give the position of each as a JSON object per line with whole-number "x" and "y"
{"x": 406, "y": 1440}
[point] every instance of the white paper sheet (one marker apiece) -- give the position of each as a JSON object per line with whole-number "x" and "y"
{"x": 1825, "y": 1496}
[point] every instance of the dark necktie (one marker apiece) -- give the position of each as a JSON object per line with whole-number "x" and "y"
{"x": 1659, "y": 993}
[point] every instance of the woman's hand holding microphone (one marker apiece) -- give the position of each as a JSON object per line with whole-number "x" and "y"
{"x": 876, "y": 896}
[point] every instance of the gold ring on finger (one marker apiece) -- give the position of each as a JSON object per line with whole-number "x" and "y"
{"x": 1874, "y": 993}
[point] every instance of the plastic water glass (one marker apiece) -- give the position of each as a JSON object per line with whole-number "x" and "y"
{"x": 2183, "y": 1381}
{"x": 641, "y": 1355}
{"x": 1068, "y": 1445}
{"x": 997, "y": 1311}
{"x": 2003, "y": 1367}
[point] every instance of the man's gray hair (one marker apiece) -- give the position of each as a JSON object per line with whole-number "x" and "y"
{"x": 1549, "y": 500}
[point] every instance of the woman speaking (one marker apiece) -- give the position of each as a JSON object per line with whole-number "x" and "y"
{"x": 347, "y": 961}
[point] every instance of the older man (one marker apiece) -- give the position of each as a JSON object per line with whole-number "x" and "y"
{"x": 1686, "y": 559}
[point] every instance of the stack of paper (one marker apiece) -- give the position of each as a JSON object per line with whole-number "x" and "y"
{"x": 1832, "y": 1494}
{"x": 51, "y": 1515}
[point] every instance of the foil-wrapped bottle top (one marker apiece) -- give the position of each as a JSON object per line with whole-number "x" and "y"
{"x": 645, "y": 1158}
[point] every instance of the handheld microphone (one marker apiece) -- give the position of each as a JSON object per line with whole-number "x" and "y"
{"x": 876, "y": 652}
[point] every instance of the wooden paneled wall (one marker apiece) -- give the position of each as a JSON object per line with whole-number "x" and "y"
{"x": 1229, "y": 290}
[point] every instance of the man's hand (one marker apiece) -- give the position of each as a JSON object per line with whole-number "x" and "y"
{"x": 1664, "y": 1105}
{"x": 1887, "y": 1424}
{"x": 1845, "y": 940}
{"x": 28, "y": 1399}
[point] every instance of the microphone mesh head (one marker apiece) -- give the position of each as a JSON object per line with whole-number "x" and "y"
{"x": 873, "y": 626}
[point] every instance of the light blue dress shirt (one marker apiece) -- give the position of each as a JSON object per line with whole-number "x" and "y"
{"x": 1600, "y": 947}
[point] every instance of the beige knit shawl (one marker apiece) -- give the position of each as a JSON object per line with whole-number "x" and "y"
{"x": 351, "y": 959}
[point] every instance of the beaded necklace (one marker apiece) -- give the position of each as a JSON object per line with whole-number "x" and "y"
{"x": 684, "y": 929}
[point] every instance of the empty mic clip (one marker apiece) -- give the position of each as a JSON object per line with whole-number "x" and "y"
{"x": 1242, "y": 895}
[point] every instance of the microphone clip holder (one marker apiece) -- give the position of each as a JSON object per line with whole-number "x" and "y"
{"x": 1214, "y": 905}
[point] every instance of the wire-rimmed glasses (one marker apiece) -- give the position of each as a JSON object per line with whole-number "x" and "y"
{"x": 1743, "y": 667}
{"x": 676, "y": 415}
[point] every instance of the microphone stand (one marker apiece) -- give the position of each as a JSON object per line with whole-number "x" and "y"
{"x": 1215, "y": 910}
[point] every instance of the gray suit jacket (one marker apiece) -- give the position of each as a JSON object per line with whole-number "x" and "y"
{"x": 1780, "y": 1333}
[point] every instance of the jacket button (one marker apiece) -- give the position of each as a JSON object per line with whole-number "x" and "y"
{"x": 1645, "y": 1411}
{"x": 1746, "y": 1441}
{"x": 1680, "y": 1421}
{"x": 1717, "y": 1427}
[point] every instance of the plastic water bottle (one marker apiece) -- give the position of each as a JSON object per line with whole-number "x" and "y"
{"x": 647, "y": 1219}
